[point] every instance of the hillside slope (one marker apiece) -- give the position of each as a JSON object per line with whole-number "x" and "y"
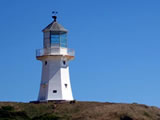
{"x": 77, "y": 111}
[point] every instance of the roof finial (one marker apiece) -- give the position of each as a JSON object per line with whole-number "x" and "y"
{"x": 54, "y": 15}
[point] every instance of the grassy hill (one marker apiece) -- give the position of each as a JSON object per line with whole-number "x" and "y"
{"x": 77, "y": 111}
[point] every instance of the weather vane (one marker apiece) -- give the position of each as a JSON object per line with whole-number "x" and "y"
{"x": 54, "y": 15}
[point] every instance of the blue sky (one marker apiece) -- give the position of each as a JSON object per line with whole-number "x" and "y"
{"x": 117, "y": 46}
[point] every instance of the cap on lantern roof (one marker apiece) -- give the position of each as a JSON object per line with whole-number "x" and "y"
{"x": 55, "y": 27}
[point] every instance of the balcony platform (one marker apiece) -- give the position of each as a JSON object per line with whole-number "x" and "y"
{"x": 51, "y": 56}
{"x": 54, "y": 52}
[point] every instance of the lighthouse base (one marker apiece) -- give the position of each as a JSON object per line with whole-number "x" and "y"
{"x": 53, "y": 101}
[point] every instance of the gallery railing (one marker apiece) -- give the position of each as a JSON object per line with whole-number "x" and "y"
{"x": 55, "y": 51}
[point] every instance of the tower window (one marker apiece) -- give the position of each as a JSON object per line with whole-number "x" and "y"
{"x": 64, "y": 62}
{"x": 54, "y": 91}
{"x": 65, "y": 85}
{"x": 45, "y": 62}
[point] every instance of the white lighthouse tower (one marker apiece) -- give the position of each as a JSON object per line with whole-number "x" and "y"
{"x": 55, "y": 57}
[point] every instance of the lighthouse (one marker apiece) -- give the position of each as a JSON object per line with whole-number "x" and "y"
{"x": 55, "y": 57}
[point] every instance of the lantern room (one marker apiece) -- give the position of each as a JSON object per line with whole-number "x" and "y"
{"x": 55, "y": 35}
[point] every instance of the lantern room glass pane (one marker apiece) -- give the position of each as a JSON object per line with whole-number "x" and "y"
{"x": 63, "y": 40}
{"x": 59, "y": 40}
{"x": 55, "y": 40}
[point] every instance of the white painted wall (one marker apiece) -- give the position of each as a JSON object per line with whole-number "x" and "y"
{"x": 54, "y": 77}
{"x": 67, "y": 91}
